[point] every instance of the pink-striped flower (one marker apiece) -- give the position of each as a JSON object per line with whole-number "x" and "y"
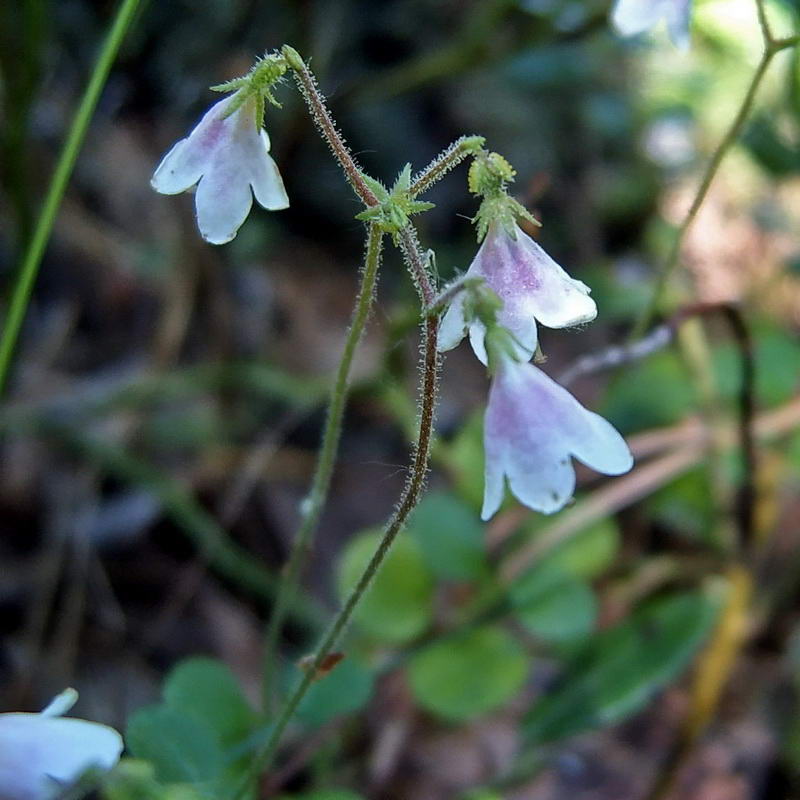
{"x": 227, "y": 158}
{"x": 41, "y": 754}
{"x": 631, "y": 17}
{"x": 532, "y": 429}
{"x": 531, "y": 286}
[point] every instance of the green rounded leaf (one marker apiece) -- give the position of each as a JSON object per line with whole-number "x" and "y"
{"x": 464, "y": 676}
{"x": 347, "y": 688}
{"x": 181, "y": 749}
{"x": 398, "y": 605}
{"x": 620, "y": 669}
{"x": 554, "y": 605}
{"x": 450, "y": 537}
{"x": 207, "y": 689}
{"x": 588, "y": 553}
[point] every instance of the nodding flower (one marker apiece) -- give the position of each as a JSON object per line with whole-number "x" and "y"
{"x": 531, "y": 287}
{"x": 227, "y": 158}
{"x": 42, "y": 754}
{"x": 533, "y": 427}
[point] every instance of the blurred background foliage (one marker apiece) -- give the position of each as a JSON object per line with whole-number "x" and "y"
{"x": 160, "y": 429}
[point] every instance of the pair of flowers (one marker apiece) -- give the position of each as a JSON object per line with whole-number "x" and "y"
{"x": 533, "y": 426}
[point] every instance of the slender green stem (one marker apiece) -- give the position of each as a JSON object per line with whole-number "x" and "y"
{"x": 326, "y": 459}
{"x": 69, "y": 154}
{"x": 771, "y": 48}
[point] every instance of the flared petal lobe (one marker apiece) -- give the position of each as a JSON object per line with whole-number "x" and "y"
{"x": 227, "y": 157}
{"x": 631, "y": 17}
{"x": 532, "y": 428}
{"x": 532, "y": 287}
{"x": 40, "y": 755}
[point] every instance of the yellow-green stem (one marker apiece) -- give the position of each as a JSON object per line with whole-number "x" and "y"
{"x": 771, "y": 48}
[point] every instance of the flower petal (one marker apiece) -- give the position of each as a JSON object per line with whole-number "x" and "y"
{"x": 183, "y": 166}
{"x": 38, "y": 753}
{"x": 559, "y": 301}
{"x": 631, "y": 17}
{"x": 678, "y": 21}
{"x": 494, "y": 475}
{"x": 223, "y": 201}
{"x": 532, "y": 428}
{"x": 453, "y": 326}
{"x": 265, "y": 179}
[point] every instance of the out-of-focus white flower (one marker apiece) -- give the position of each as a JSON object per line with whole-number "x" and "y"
{"x": 42, "y": 753}
{"x": 530, "y": 284}
{"x": 631, "y": 17}
{"x": 227, "y": 158}
{"x": 532, "y": 428}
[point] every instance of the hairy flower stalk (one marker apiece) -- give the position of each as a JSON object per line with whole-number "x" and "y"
{"x": 406, "y": 239}
{"x": 408, "y": 501}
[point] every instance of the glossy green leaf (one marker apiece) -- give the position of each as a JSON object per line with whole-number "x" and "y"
{"x": 651, "y": 394}
{"x": 133, "y": 779}
{"x": 588, "y": 553}
{"x": 181, "y": 749}
{"x": 399, "y": 604}
{"x": 344, "y": 690}
{"x": 324, "y": 794}
{"x": 465, "y": 461}
{"x": 618, "y": 671}
{"x": 207, "y": 689}
{"x": 450, "y": 537}
{"x": 554, "y": 605}
{"x": 464, "y": 676}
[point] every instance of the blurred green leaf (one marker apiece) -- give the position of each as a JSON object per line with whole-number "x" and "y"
{"x": 347, "y": 688}
{"x": 465, "y": 461}
{"x": 588, "y": 553}
{"x": 685, "y": 505}
{"x": 553, "y": 605}
{"x": 207, "y": 689}
{"x": 654, "y": 393}
{"x": 450, "y": 537}
{"x": 767, "y": 145}
{"x": 777, "y": 358}
{"x": 620, "y": 669}
{"x": 398, "y": 605}
{"x": 469, "y": 674}
{"x": 132, "y": 779}
{"x": 180, "y": 749}
{"x": 324, "y": 794}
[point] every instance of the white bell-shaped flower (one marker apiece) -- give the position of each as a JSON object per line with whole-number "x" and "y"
{"x": 42, "y": 753}
{"x": 532, "y": 429}
{"x": 532, "y": 287}
{"x": 227, "y": 158}
{"x": 631, "y": 17}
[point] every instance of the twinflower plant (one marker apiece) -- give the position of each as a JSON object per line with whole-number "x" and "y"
{"x": 533, "y": 426}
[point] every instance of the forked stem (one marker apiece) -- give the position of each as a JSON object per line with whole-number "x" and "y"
{"x": 772, "y": 47}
